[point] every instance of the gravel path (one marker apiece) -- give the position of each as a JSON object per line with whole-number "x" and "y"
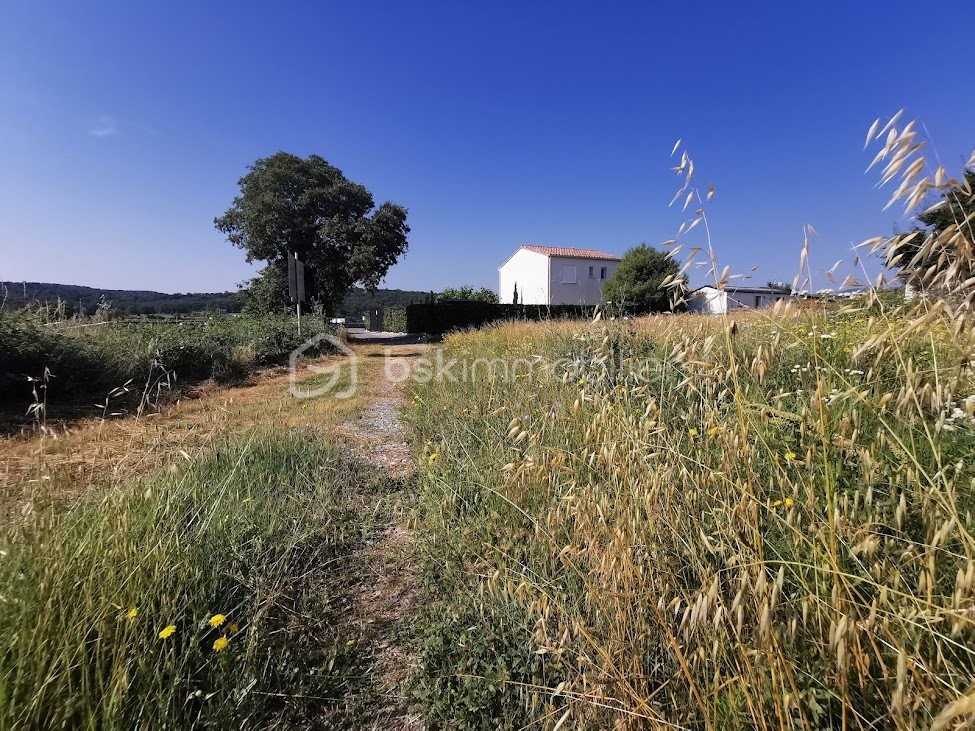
{"x": 387, "y": 587}
{"x": 380, "y": 437}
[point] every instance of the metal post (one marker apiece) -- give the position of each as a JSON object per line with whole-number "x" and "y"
{"x": 296, "y": 283}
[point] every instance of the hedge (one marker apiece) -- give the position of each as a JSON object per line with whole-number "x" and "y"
{"x": 442, "y": 317}
{"x": 394, "y": 319}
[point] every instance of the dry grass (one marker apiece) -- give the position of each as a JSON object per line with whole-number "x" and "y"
{"x": 707, "y": 524}
{"x": 197, "y": 598}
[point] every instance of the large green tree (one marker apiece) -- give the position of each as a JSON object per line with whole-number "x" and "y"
{"x": 637, "y": 283}
{"x": 289, "y": 204}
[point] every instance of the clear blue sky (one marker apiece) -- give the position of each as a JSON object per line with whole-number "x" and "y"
{"x": 124, "y": 126}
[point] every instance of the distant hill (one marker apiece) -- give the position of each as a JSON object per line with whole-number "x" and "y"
{"x": 135, "y": 302}
{"x": 76, "y": 298}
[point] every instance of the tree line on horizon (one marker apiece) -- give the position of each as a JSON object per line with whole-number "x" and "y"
{"x": 81, "y": 300}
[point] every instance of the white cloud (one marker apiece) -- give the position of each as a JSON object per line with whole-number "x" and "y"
{"x": 103, "y": 126}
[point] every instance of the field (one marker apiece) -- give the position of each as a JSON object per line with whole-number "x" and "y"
{"x": 688, "y": 522}
{"x": 674, "y": 521}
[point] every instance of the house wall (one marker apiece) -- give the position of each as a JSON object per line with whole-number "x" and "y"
{"x": 530, "y": 270}
{"x": 753, "y": 300}
{"x": 716, "y": 302}
{"x": 708, "y": 300}
{"x": 585, "y": 290}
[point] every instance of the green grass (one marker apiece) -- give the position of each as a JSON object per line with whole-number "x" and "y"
{"x": 252, "y": 531}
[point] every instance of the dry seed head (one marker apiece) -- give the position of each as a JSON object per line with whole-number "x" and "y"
{"x": 765, "y": 619}
{"x": 963, "y": 708}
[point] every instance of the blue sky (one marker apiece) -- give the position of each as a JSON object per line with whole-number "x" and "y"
{"x": 125, "y": 126}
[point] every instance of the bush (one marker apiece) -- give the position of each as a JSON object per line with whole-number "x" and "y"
{"x": 27, "y": 348}
{"x": 443, "y": 317}
{"x": 394, "y": 320}
{"x": 637, "y": 285}
{"x": 89, "y": 361}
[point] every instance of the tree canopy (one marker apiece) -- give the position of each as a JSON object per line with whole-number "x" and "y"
{"x": 637, "y": 284}
{"x": 467, "y": 292}
{"x": 958, "y": 206}
{"x": 289, "y": 204}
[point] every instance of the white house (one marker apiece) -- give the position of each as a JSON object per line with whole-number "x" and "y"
{"x": 719, "y": 301}
{"x": 555, "y": 275}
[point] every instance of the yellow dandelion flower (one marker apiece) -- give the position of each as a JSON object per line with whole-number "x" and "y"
{"x": 692, "y": 431}
{"x": 582, "y": 381}
{"x": 167, "y": 631}
{"x": 712, "y": 431}
{"x": 789, "y": 502}
{"x": 776, "y": 504}
{"x": 789, "y": 455}
{"x": 432, "y": 458}
{"x": 132, "y": 613}
{"x": 217, "y": 619}
{"x": 220, "y": 644}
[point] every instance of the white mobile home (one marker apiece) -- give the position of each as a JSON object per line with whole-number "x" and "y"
{"x": 555, "y": 275}
{"x": 720, "y": 301}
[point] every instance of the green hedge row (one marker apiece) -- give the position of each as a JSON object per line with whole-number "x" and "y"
{"x": 442, "y": 317}
{"x": 394, "y": 319}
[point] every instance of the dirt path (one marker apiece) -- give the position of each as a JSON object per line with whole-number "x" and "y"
{"x": 384, "y": 589}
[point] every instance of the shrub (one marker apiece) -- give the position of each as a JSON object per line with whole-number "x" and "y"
{"x": 88, "y": 361}
{"x": 637, "y": 285}
{"x": 394, "y": 320}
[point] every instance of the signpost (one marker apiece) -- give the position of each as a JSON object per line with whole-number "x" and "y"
{"x": 296, "y": 283}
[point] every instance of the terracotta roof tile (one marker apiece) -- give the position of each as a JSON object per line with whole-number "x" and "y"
{"x": 570, "y": 252}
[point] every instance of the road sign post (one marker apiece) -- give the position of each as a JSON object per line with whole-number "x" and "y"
{"x": 296, "y": 284}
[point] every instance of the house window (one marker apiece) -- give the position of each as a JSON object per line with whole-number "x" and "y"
{"x": 602, "y": 272}
{"x": 592, "y": 272}
{"x": 569, "y": 274}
